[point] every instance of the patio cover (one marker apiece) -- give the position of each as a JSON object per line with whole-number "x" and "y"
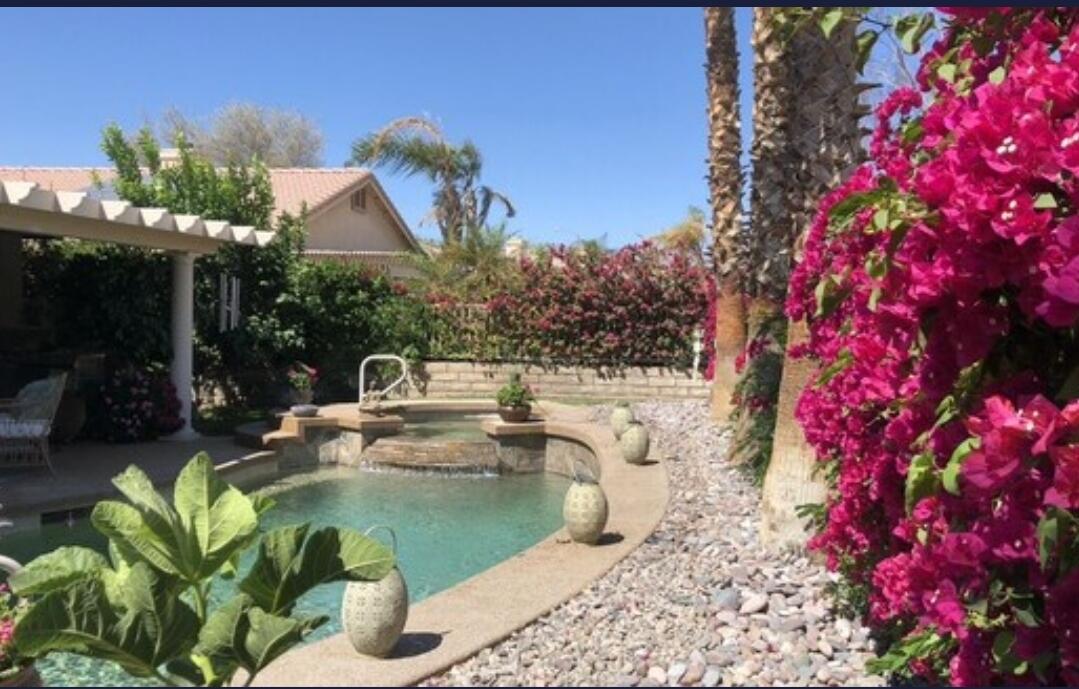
{"x": 28, "y": 209}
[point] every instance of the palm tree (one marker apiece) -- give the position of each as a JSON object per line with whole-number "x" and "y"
{"x": 725, "y": 192}
{"x": 686, "y": 237}
{"x": 471, "y": 269}
{"x": 772, "y": 154}
{"x": 415, "y": 145}
{"x": 824, "y": 145}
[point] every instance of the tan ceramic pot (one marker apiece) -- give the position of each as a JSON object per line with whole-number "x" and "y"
{"x": 585, "y": 512}
{"x": 634, "y": 443}
{"x": 373, "y": 613}
{"x": 517, "y": 414}
{"x": 621, "y": 417}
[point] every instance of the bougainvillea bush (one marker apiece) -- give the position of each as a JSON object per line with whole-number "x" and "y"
{"x": 134, "y": 404}
{"x": 637, "y": 305}
{"x": 941, "y": 286}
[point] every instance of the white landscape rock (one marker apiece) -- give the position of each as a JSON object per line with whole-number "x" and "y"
{"x": 693, "y": 605}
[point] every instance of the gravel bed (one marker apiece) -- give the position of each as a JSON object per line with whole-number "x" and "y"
{"x": 700, "y": 603}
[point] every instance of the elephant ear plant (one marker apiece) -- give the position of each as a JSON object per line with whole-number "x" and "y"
{"x": 147, "y": 606}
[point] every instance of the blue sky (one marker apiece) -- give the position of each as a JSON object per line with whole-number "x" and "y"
{"x": 591, "y": 120}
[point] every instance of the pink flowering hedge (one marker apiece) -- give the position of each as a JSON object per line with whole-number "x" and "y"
{"x": 637, "y": 305}
{"x": 941, "y": 287}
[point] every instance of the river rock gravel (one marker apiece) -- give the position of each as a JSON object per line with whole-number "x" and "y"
{"x": 700, "y": 603}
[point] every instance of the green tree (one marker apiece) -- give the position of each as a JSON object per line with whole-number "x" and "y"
{"x": 415, "y": 145}
{"x": 245, "y": 361}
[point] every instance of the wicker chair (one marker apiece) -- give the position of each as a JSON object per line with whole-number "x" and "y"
{"x": 26, "y": 420}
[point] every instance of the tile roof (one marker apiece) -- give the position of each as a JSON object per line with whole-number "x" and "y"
{"x": 291, "y": 186}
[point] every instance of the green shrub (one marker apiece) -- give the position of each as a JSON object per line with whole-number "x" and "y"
{"x": 514, "y": 393}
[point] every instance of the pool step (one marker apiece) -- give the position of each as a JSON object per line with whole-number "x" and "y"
{"x": 420, "y": 453}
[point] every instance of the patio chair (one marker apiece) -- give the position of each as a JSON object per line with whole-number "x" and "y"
{"x": 26, "y": 420}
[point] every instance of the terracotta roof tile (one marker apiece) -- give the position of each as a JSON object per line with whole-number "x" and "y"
{"x": 291, "y": 186}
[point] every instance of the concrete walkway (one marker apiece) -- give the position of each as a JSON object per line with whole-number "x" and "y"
{"x": 84, "y": 473}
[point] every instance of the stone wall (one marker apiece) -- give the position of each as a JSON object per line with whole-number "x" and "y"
{"x": 467, "y": 379}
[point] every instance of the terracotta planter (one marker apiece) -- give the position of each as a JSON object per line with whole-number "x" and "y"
{"x": 621, "y": 418}
{"x": 585, "y": 512}
{"x": 634, "y": 443}
{"x": 373, "y": 613}
{"x": 26, "y": 676}
{"x": 517, "y": 414}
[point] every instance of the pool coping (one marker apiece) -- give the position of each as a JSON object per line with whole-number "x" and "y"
{"x": 455, "y": 624}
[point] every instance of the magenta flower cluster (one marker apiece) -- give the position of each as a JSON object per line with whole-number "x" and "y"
{"x": 941, "y": 287}
{"x": 637, "y": 305}
{"x": 136, "y": 404}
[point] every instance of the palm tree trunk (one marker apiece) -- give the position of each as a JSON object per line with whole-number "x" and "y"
{"x": 725, "y": 190}
{"x": 826, "y": 144}
{"x": 772, "y": 156}
{"x": 790, "y": 480}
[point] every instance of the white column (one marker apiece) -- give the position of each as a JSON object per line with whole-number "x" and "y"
{"x": 183, "y": 338}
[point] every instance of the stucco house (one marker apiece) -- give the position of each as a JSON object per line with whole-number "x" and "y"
{"x": 349, "y": 216}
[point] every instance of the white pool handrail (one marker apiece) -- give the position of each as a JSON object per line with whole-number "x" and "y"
{"x": 389, "y": 388}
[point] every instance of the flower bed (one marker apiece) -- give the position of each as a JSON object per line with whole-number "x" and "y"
{"x": 638, "y": 305}
{"x": 941, "y": 286}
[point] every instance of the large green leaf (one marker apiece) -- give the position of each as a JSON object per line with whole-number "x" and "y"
{"x": 153, "y": 626}
{"x": 137, "y": 487}
{"x": 58, "y": 569}
{"x": 125, "y": 526}
{"x": 217, "y": 520}
{"x": 268, "y": 636}
{"x": 291, "y": 563}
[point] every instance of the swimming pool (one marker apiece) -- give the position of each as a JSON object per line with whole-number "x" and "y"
{"x": 448, "y": 529}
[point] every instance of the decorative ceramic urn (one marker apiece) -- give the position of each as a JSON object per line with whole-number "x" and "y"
{"x": 621, "y": 418}
{"x": 373, "y": 613}
{"x": 585, "y": 511}
{"x": 634, "y": 443}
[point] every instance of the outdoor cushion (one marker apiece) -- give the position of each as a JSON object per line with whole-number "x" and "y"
{"x": 10, "y": 428}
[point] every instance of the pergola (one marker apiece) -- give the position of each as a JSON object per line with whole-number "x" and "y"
{"x": 27, "y": 209}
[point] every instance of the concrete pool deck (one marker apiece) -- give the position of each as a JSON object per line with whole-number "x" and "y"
{"x": 84, "y": 473}
{"x": 457, "y": 623}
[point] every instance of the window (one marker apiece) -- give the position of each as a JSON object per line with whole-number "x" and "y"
{"x": 359, "y": 200}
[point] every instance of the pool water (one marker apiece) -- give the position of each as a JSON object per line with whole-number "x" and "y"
{"x": 448, "y": 529}
{"x": 448, "y": 427}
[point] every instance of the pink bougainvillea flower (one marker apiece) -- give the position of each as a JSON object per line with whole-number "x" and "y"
{"x": 1065, "y": 490}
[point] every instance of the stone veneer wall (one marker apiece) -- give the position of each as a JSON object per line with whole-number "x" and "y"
{"x": 468, "y": 379}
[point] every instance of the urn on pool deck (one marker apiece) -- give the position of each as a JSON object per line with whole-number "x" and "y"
{"x": 373, "y": 613}
{"x": 634, "y": 443}
{"x": 585, "y": 511}
{"x": 621, "y": 417}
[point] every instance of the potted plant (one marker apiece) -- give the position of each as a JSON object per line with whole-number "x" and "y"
{"x": 15, "y": 670}
{"x": 513, "y": 400}
{"x": 302, "y": 379}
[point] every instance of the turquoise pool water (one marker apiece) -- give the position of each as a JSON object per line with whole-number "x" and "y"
{"x": 448, "y": 528}
{"x": 465, "y": 427}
